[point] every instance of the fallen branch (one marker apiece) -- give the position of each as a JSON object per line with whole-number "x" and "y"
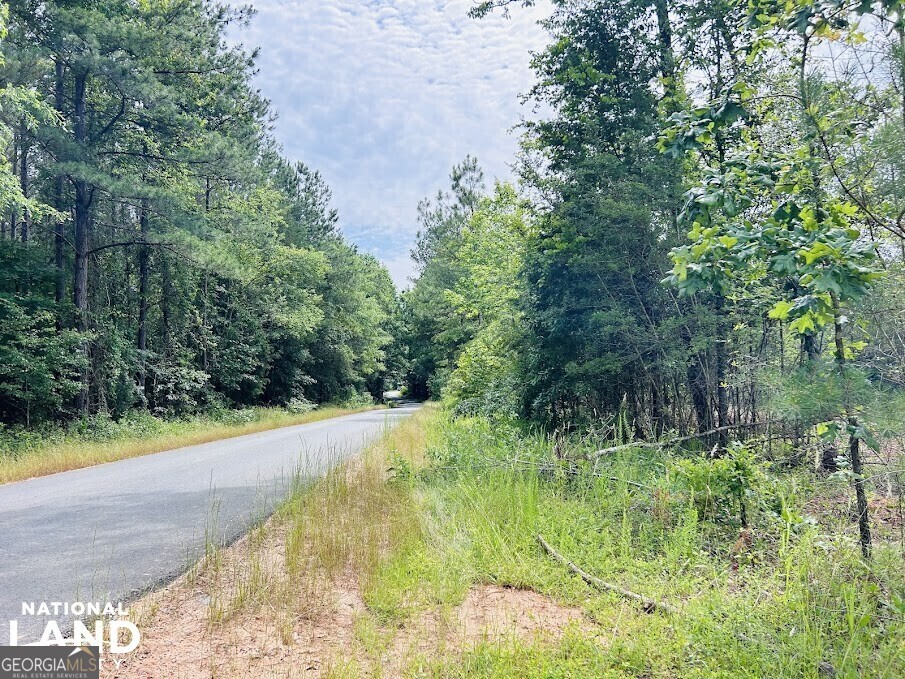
{"x": 674, "y": 441}
{"x": 528, "y": 465}
{"x": 649, "y": 605}
{"x": 626, "y": 481}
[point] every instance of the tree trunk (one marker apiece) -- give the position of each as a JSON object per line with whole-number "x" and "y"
{"x": 658, "y": 419}
{"x": 722, "y": 389}
{"x": 143, "y": 276}
{"x": 854, "y": 452}
{"x": 14, "y": 164}
{"x": 808, "y": 348}
{"x": 83, "y": 195}
{"x": 697, "y": 385}
{"x": 722, "y": 393}
{"x": 826, "y": 460}
{"x": 165, "y": 304}
{"x": 23, "y": 184}
{"x": 828, "y": 455}
{"x": 664, "y": 36}
{"x": 901, "y": 31}
{"x": 204, "y": 351}
{"x": 854, "y": 443}
{"x": 59, "y": 234}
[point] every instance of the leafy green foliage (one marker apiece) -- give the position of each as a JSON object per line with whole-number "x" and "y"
{"x": 39, "y": 365}
{"x": 720, "y": 488}
{"x": 491, "y": 255}
{"x": 435, "y": 330}
{"x": 815, "y": 246}
{"x": 204, "y": 270}
{"x": 595, "y": 312}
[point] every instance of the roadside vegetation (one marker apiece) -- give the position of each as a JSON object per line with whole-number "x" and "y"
{"x": 671, "y": 358}
{"x": 288, "y": 598}
{"x": 422, "y": 558}
{"x": 29, "y": 452}
{"x": 706, "y": 240}
{"x": 670, "y": 352}
{"x": 760, "y": 570}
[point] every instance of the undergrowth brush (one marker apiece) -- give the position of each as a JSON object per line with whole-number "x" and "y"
{"x": 762, "y": 588}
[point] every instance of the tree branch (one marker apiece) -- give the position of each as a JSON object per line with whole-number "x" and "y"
{"x": 649, "y": 605}
{"x": 679, "y": 439}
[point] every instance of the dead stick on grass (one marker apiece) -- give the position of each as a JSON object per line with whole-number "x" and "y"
{"x": 681, "y": 439}
{"x": 649, "y": 605}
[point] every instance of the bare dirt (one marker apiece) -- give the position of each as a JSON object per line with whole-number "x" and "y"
{"x": 323, "y": 635}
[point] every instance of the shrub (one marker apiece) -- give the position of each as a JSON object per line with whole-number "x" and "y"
{"x": 718, "y": 486}
{"x": 357, "y": 400}
{"x": 243, "y": 416}
{"x": 300, "y": 404}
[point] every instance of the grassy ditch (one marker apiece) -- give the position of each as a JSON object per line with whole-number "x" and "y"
{"x": 26, "y": 454}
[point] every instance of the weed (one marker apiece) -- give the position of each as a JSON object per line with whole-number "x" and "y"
{"x": 442, "y": 504}
{"x": 790, "y": 599}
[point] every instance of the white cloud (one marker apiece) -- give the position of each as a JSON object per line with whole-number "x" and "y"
{"x": 383, "y": 96}
{"x": 401, "y": 268}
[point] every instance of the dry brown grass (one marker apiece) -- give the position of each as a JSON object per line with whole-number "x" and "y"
{"x": 340, "y": 526}
{"x": 67, "y": 455}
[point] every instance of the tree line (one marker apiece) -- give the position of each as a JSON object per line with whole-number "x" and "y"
{"x": 157, "y": 251}
{"x": 706, "y": 237}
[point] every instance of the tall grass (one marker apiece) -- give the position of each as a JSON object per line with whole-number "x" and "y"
{"x": 441, "y": 504}
{"x": 341, "y": 526}
{"x": 26, "y": 454}
{"x": 797, "y": 601}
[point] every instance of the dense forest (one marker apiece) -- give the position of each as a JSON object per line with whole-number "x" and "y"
{"x": 707, "y": 237}
{"x": 667, "y": 357}
{"x": 156, "y": 250}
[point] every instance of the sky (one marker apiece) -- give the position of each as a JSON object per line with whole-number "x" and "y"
{"x": 384, "y": 96}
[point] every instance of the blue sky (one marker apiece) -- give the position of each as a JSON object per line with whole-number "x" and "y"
{"x": 383, "y": 96}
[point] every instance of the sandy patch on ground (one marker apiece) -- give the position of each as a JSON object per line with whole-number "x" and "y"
{"x": 318, "y": 638}
{"x": 286, "y": 600}
{"x": 195, "y": 628}
{"x": 489, "y": 614}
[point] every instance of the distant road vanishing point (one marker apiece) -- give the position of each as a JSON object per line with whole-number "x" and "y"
{"x": 111, "y": 532}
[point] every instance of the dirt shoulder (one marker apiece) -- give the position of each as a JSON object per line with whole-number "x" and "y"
{"x": 316, "y": 592}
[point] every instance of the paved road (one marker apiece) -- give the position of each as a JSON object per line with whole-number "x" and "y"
{"x": 111, "y": 532}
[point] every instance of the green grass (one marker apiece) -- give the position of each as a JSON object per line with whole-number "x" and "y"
{"x": 26, "y": 454}
{"x": 798, "y": 599}
{"x": 574, "y": 656}
{"x": 348, "y": 523}
{"x": 441, "y": 504}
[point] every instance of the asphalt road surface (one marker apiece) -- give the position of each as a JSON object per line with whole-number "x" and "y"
{"x": 114, "y": 531}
